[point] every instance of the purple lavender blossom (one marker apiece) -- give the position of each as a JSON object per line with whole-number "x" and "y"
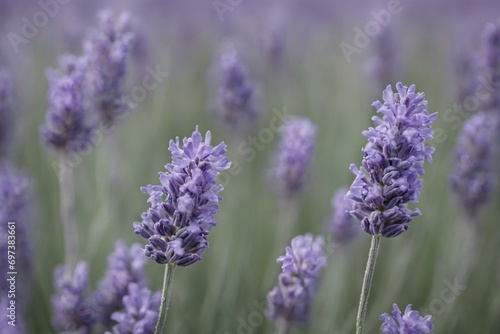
{"x": 234, "y": 103}
{"x": 408, "y": 323}
{"x": 295, "y": 151}
{"x": 392, "y": 163}
{"x": 183, "y": 206}
{"x": 384, "y": 60}
{"x": 343, "y": 229}
{"x": 73, "y": 312}
{"x": 491, "y": 64}
{"x": 140, "y": 314}
{"x": 6, "y": 109}
{"x": 474, "y": 177}
{"x": 107, "y": 50}
{"x": 67, "y": 127}
{"x": 125, "y": 266}
{"x": 291, "y": 300}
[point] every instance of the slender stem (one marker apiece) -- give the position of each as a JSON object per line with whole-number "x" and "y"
{"x": 165, "y": 298}
{"x": 367, "y": 283}
{"x": 68, "y": 221}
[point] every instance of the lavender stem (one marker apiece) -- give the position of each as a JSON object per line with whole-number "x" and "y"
{"x": 367, "y": 283}
{"x": 165, "y": 297}
{"x": 68, "y": 220}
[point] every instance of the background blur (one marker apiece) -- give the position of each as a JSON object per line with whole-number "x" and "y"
{"x": 292, "y": 52}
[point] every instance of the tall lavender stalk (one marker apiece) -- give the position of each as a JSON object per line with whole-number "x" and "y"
{"x": 182, "y": 208}
{"x": 67, "y": 130}
{"x": 389, "y": 176}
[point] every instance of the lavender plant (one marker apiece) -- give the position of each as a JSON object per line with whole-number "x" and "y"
{"x": 490, "y": 65}
{"x": 389, "y": 176}
{"x": 295, "y": 152}
{"x": 474, "y": 178}
{"x": 182, "y": 208}
{"x": 290, "y": 302}
{"x": 140, "y": 314}
{"x": 73, "y": 312}
{"x": 342, "y": 226}
{"x": 408, "y": 323}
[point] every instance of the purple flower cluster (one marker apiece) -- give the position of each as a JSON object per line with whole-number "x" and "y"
{"x": 140, "y": 313}
{"x": 491, "y": 64}
{"x": 6, "y": 109}
{"x": 295, "y": 151}
{"x": 73, "y": 312}
{"x": 342, "y": 227}
{"x": 291, "y": 300}
{"x": 474, "y": 177}
{"x": 125, "y": 266}
{"x": 67, "y": 127}
{"x": 106, "y": 51}
{"x": 408, "y": 323}
{"x": 183, "y": 206}
{"x": 234, "y": 100}
{"x": 392, "y": 163}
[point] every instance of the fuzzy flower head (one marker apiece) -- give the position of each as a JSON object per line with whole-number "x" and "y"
{"x": 408, "y": 323}
{"x": 389, "y": 176}
{"x": 183, "y": 206}
{"x": 474, "y": 178}
{"x": 291, "y": 300}
{"x": 67, "y": 125}
{"x": 107, "y": 50}
{"x": 125, "y": 266}
{"x": 342, "y": 226}
{"x": 73, "y": 312}
{"x": 296, "y": 149}
{"x": 140, "y": 312}
{"x": 234, "y": 103}
{"x": 6, "y": 109}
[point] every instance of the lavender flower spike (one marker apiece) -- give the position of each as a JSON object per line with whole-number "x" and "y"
{"x": 474, "y": 177}
{"x": 72, "y": 309}
{"x": 183, "y": 206}
{"x": 234, "y": 100}
{"x": 343, "y": 229}
{"x": 296, "y": 150}
{"x": 408, "y": 323}
{"x": 67, "y": 127}
{"x": 140, "y": 314}
{"x": 392, "y": 165}
{"x": 125, "y": 266}
{"x": 107, "y": 50}
{"x": 6, "y": 109}
{"x": 291, "y": 300}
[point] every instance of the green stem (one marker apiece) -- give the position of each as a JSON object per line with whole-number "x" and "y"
{"x": 367, "y": 283}
{"x": 68, "y": 221}
{"x": 165, "y": 298}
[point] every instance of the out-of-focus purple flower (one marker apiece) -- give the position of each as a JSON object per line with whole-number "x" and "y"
{"x": 67, "y": 125}
{"x": 291, "y": 300}
{"x": 107, "y": 50}
{"x": 234, "y": 103}
{"x": 6, "y": 109}
{"x": 124, "y": 267}
{"x": 73, "y": 312}
{"x": 392, "y": 164}
{"x": 465, "y": 78}
{"x": 295, "y": 151}
{"x": 384, "y": 60}
{"x": 183, "y": 206}
{"x": 408, "y": 323}
{"x": 474, "y": 177}
{"x": 343, "y": 228}
{"x": 491, "y": 64}
{"x": 140, "y": 314}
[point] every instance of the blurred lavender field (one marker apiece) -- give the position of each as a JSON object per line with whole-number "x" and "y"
{"x": 241, "y": 69}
